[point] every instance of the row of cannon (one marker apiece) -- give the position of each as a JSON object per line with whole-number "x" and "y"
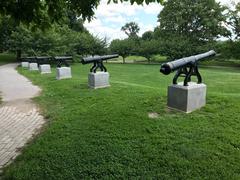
{"x": 187, "y": 96}
{"x": 186, "y": 67}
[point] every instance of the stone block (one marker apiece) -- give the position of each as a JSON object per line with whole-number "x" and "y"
{"x": 64, "y": 73}
{"x": 33, "y": 67}
{"x": 187, "y": 98}
{"x": 25, "y": 64}
{"x": 45, "y": 68}
{"x": 98, "y": 80}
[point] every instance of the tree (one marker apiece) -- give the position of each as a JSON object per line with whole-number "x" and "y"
{"x": 122, "y": 47}
{"x": 131, "y": 29}
{"x": 148, "y": 48}
{"x": 234, "y": 21}
{"x": 75, "y": 23}
{"x": 189, "y": 27}
{"x": 6, "y": 28}
{"x": 148, "y": 35}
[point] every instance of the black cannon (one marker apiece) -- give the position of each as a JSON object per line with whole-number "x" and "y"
{"x": 63, "y": 60}
{"x": 29, "y": 59}
{"x": 43, "y": 59}
{"x": 98, "y": 62}
{"x": 186, "y": 67}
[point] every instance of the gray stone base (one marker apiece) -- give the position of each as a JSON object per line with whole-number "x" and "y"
{"x": 25, "y": 64}
{"x": 45, "y": 68}
{"x": 64, "y": 73}
{"x": 187, "y": 98}
{"x": 33, "y": 66}
{"x": 98, "y": 80}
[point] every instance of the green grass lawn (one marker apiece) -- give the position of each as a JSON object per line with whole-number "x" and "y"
{"x": 7, "y": 58}
{"x": 106, "y": 133}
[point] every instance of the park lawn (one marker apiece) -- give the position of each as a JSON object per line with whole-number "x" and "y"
{"x": 7, "y": 58}
{"x": 106, "y": 133}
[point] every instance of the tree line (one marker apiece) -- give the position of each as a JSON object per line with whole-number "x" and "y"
{"x": 186, "y": 28}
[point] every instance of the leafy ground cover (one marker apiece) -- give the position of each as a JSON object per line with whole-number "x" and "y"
{"x": 106, "y": 133}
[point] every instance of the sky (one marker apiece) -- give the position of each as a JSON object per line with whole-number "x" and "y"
{"x": 109, "y": 18}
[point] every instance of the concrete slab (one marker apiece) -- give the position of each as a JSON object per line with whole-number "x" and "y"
{"x": 98, "y": 80}
{"x": 33, "y": 67}
{"x": 25, "y": 64}
{"x": 64, "y": 73}
{"x": 187, "y": 98}
{"x": 45, "y": 68}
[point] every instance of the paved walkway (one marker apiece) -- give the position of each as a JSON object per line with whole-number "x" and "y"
{"x": 19, "y": 117}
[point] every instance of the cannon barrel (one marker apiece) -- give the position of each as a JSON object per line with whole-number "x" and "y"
{"x": 43, "y": 59}
{"x": 88, "y": 60}
{"x": 63, "y": 58}
{"x": 29, "y": 59}
{"x": 169, "y": 67}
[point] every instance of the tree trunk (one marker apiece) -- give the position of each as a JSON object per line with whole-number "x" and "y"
{"x": 19, "y": 54}
{"x": 123, "y": 60}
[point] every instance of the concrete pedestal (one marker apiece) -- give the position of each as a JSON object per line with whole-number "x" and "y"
{"x": 45, "y": 68}
{"x": 25, "y": 64}
{"x": 187, "y": 98}
{"x": 64, "y": 73}
{"x": 33, "y": 66}
{"x": 98, "y": 80}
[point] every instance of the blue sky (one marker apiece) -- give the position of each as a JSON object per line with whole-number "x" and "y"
{"x": 109, "y": 18}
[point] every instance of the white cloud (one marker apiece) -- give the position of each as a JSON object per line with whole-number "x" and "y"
{"x": 97, "y": 28}
{"x": 113, "y": 9}
{"x": 152, "y": 8}
{"x": 116, "y": 19}
{"x": 229, "y": 3}
{"x": 111, "y": 17}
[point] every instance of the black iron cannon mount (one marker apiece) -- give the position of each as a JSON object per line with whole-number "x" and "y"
{"x": 63, "y": 60}
{"x": 98, "y": 62}
{"x": 186, "y": 67}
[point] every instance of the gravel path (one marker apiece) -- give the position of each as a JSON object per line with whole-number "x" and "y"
{"x": 19, "y": 116}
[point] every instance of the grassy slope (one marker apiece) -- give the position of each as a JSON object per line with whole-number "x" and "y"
{"x": 106, "y": 133}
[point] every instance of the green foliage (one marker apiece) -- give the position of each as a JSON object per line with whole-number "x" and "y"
{"x": 58, "y": 40}
{"x": 228, "y": 49}
{"x": 43, "y": 12}
{"x": 234, "y": 21}
{"x": 7, "y": 58}
{"x": 6, "y": 28}
{"x": 74, "y": 22}
{"x": 148, "y": 35}
{"x": 131, "y": 29}
{"x": 124, "y": 47}
{"x": 107, "y": 134}
{"x": 147, "y": 48}
{"x": 188, "y": 27}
